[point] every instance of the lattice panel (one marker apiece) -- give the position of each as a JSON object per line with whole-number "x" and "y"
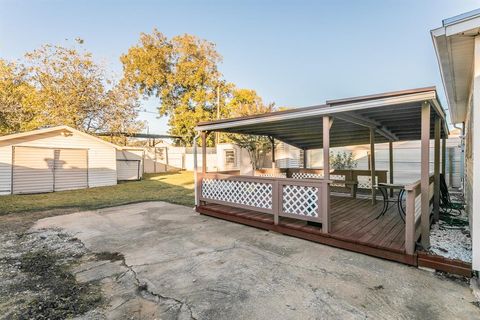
{"x": 300, "y": 200}
{"x": 365, "y": 182}
{"x": 272, "y": 175}
{"x": 306, "y": 175}
{"x": 338, "y": 178}
{"x": 249, "y": 193}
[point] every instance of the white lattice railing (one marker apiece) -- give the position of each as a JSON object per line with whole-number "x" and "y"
{"x": 301, "y": 200}
{"x": 272, "y": 175}
{"x": 304, "y": 200}
{"x": 306, "y": 175}
{"x": 365, "y": 182}
{"x": 338, "y": 180}
{"x": 256, "y": 194}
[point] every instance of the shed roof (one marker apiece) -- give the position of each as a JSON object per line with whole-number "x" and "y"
{"x": 53, "y": 129}
{"x": 395, "y": 116}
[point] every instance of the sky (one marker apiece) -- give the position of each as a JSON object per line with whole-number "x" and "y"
{"x": 293, "y": 53}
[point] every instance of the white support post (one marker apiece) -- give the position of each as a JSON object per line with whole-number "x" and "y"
{"x": 436, "y": 161}
{"x": 425, "y": 175}
{"x": 197, "y": 181}
{"x": 372, "y": 165}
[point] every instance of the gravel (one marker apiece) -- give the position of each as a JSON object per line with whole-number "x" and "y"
{"x": 450, "y": 238}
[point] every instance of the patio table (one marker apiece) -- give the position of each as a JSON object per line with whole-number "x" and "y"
{"x": 383, "y": 188}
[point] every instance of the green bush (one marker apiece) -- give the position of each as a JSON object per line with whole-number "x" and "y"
{"x": 342, "y": 160}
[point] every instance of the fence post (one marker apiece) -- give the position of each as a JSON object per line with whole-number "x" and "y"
{"x": 324, "y": 199}
{"x": 410, "y": 222}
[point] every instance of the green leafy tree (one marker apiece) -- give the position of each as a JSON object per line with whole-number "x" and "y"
{"x": 74, "y": 90}
{"x": 182, "y": 73}
{"x": 342, "y": 160}
{"x": 245, "y": 102}
{"x": 18, "y": 99}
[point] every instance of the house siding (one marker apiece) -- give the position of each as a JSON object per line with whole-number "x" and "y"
{"x": 5, "y": 169}
{"x": 468, "y": 174}
{"x": 130, "y": 170}
{"x": 473, "y": 160}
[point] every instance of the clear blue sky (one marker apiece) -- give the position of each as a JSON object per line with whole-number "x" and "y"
{"x": 294, "y": 53}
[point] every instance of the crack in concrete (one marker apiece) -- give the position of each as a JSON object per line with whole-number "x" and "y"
{"x": 144, "y": 287}
{"x": 92, "y": 267}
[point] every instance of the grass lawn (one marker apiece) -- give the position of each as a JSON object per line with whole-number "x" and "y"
{"x": 171, "y": 187}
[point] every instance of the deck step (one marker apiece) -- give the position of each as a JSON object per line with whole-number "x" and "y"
{"x": 440, "y": 263}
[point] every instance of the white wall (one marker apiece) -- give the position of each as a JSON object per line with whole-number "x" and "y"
{"x": 101, "y": 157}
{"x": 287, "y": 156}
{"x": 211, "y": 159}
{"x": 5, "y": 169}
{"x": 406, "y": 156}
{"x": 473, "y": 177}
{"x": 129, "y": 169}
{"x": 176, "y": 157}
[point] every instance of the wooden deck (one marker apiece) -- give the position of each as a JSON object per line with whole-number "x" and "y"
{"x": 354, "y": 227}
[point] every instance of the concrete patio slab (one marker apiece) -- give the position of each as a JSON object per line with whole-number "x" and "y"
{"x": 180, "y": 265}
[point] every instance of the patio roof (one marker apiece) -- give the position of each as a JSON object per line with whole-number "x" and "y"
{"x": 395, "y": 116}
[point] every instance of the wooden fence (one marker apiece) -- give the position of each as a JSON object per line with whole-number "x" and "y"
{"x": 413, "y": 213}
{"x": 300, "y": 199}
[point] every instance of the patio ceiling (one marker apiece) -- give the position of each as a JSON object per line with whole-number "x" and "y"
{"x": 395, "y": 116}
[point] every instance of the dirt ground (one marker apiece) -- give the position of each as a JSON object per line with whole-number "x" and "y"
{"x": 162, "y": 261}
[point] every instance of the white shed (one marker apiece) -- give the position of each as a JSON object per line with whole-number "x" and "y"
{"x": 55, "y": 159}
{"x": 130, "y": 163}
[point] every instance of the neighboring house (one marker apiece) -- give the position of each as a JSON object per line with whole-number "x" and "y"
{"x": 287, "y": 156}
{"x": 62, "y": 158}
{"x": 457, "y": 45}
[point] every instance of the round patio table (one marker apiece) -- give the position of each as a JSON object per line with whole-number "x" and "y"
{"x": 383, "y": 188}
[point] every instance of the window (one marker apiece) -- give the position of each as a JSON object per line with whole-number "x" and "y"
{"x": 230, "y": 158}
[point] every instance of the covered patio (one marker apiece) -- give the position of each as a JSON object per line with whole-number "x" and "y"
{"x": 300, "y": 202}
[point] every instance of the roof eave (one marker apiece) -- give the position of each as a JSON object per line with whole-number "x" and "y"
{"x": 426, "y": 96}
{"x": 460, "y": 25}
{"x": 53, "y": 129}
{"x": 443, "y": 54}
